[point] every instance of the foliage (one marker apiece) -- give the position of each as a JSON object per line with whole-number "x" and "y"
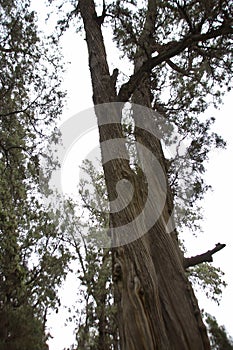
{"x": 24, "y": 330}
{"x": 209, "y": 278}
{"x": 219, "y": 338}
{"x": 33, "y": 263}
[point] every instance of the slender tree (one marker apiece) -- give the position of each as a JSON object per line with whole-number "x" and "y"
{"x": 95, "y": 316}
{"x": 183, "y": 46}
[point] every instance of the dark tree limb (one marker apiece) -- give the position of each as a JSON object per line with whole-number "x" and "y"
{"x": 170, "y": 50}
{"x": 205, "y": 257}
{"x": 114, "y": 77}
{"x": 178, "y": 69}
{"x": 100, "y": 19}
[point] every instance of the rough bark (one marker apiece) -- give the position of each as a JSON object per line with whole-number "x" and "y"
{"x": 156, "y": 305}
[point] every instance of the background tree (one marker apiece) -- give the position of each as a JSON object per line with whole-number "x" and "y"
{"x": 95, "y": 312}
{"x": 184, "y": 47}
{"x": 219, "y": 338}
{"x": 33, "y": 260}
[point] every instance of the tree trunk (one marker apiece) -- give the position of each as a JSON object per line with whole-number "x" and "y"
{"x": 156, "y": 305}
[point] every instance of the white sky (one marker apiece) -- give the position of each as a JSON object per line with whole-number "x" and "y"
{"x": 217, "y": 204}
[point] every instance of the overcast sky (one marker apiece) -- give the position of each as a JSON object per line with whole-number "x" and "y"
{"x": 217, "y": 205}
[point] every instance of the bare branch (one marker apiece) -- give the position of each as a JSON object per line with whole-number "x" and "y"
{"x": 205, "y": 257}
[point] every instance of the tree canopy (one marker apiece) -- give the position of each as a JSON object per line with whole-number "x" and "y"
{"x": 137, "y": 295}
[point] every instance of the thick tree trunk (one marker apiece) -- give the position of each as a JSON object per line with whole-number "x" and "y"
{"x": 156, "y": 305}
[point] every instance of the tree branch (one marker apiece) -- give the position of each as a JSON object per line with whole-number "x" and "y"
{"x": 100, "y": 19}
{"x": 170, "y": 50}
{"x": 205, "y": 257}
{"x": 185, "y": 16}
{"x": 178, "y": 69}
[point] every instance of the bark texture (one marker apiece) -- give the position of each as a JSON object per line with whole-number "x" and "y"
{"x": 156, "y": 305}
